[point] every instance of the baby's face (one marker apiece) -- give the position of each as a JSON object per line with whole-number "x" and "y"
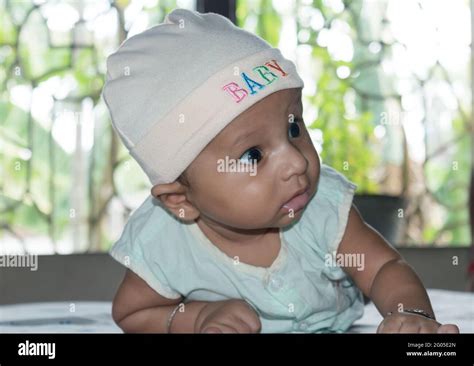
{"x": 286, "y": 164}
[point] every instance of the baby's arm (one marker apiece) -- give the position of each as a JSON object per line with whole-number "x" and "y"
{"x": 137, "y": 308}
{"x": 388, "y": 280}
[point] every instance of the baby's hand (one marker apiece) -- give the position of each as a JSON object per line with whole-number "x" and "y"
{"x": 413, "y": 323}
{"x": 230, "y": 316}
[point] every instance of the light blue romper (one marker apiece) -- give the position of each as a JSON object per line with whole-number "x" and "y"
{"x": 299, "y": 292}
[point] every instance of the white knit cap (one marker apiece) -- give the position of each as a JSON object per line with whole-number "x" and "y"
{"x": 172, "y": 88}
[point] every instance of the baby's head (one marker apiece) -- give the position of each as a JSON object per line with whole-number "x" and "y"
{"x": 213, "y": 115}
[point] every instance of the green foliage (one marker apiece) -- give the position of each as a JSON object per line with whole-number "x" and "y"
{"x": 269, "y": 23}
{"x": 30, "y": 192}
{"x": 268, "y": 20}
{"x": 448, "y": 179}
{"x": 347, "y": 142}
{"x": 40, "y": 186}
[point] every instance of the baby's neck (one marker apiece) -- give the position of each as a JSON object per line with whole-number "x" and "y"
{"x": 255, "y": 247}
{"x": 219, "y": 233}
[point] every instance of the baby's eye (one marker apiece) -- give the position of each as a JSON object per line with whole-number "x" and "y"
{"x": 294, "y": 130}
{"x": 251, "y": 154}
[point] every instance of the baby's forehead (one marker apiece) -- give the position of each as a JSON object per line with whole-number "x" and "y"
{"x": 249, "y": 122}
{"x": 280, "y": 101}
{"x": 287, "y": 100}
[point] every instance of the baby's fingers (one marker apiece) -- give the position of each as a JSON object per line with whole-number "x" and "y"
{"x": 242, "y": 327}
{"x": 212, "y": 330}
{"x": 448, "y": 328}
{"x": 251, "y": 320}
{"x": 252, "y": 325}
{"x": 244, "y": 324}
{"x": 391, "y": 325}
{"x": 219, "y": 328}
{"x": 231, "y": 324}
{"x": 410, "y": 327}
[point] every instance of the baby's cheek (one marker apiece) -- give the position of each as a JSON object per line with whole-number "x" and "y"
{"x": 245, "y": 209}
{"x": 236, "y": 199}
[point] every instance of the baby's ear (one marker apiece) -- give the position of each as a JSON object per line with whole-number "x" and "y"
{"x": 174, "y": 197}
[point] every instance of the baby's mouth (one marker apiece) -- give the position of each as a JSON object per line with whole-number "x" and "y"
{"x": 298, "y": 201}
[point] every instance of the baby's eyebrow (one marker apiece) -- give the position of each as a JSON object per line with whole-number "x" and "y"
{"x": 242, "y": 137}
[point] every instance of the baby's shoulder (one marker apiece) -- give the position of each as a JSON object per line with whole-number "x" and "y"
{"x": 332, "y": 192}
{"x": 332, "y": 181}
{"x": 151, "y": 227}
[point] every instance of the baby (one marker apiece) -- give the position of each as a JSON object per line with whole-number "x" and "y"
{"x": 245, "y": 231}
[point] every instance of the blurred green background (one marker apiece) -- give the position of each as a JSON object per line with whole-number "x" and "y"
{"x": 387, "y": 98}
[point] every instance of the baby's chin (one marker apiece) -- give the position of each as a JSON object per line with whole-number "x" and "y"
{"x": 248, "y": 219}
{"x": 290, "y": 217}
{"x": 278, "y": 222}
{"x": 281, "y": 219}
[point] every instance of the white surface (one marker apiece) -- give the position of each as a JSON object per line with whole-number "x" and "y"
{"x": 58, "y": 317}
{"x": 94, "y": 317}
